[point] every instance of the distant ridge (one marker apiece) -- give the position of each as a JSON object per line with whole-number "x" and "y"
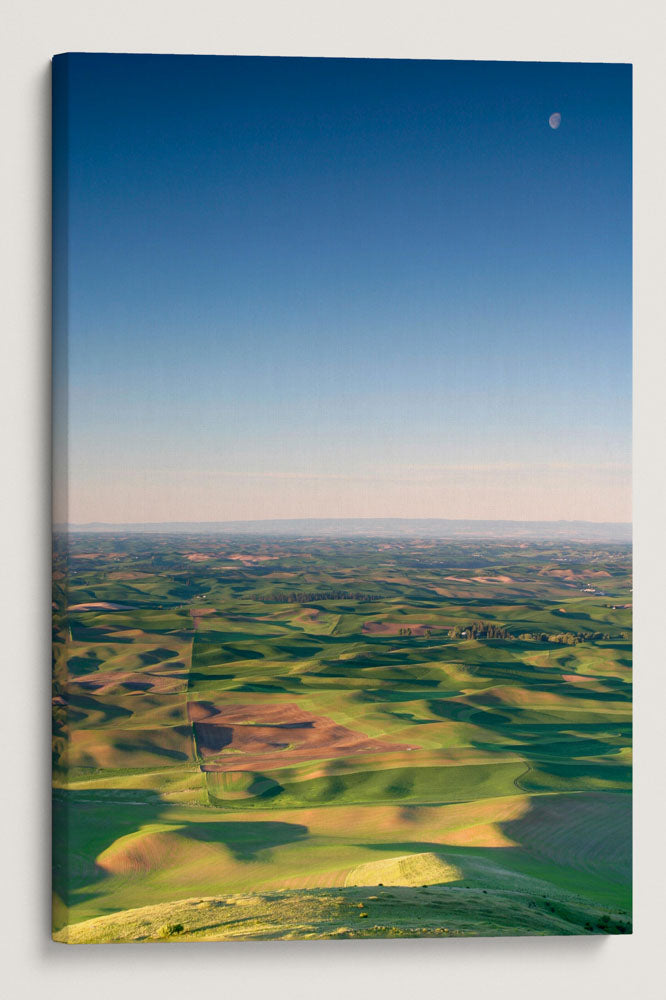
{"x": 383, "y": 527}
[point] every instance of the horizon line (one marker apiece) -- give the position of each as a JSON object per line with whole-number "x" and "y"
{"x": 371, "y": 527}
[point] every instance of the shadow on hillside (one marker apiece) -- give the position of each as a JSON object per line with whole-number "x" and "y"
{"x": 577, "y": 843}
{"x": 87, "y": 823}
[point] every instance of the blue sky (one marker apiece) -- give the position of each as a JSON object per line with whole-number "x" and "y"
{"x": 308, "y": 287}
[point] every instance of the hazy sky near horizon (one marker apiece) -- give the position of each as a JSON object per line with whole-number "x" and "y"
{"x": 330, "y": 288}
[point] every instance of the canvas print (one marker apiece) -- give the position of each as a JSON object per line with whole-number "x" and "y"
{"x": 342, "y": 594}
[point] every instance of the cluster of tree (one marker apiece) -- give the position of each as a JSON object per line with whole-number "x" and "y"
{"x": 570, "y": 638}
{"x": 480, "y": 630}
{"x": 312, "y": 596}
{"x": 408, "y": 631}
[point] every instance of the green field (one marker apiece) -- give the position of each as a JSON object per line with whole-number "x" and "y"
{"x": 262, "y": 737}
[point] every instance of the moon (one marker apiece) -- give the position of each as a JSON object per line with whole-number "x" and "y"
{"x": 555, "y": 120}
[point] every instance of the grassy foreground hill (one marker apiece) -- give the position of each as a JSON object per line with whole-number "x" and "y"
{"x": 286, "y": 914}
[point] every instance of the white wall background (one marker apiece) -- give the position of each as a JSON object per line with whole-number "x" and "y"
{"x": 31, "y": 31}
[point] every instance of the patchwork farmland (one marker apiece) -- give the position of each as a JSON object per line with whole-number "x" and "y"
{"x": 304, "y": 737}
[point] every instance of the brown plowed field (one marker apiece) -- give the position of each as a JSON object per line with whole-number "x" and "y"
{"x": 273, "y": 735}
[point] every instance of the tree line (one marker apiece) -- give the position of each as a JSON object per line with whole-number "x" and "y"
{"x": 571, "y": 638}
{"x": 312, "y": 596}
{"x": 490, "y": 630}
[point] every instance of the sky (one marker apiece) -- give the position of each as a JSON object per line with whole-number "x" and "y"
{"x": 341, "y": 288}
